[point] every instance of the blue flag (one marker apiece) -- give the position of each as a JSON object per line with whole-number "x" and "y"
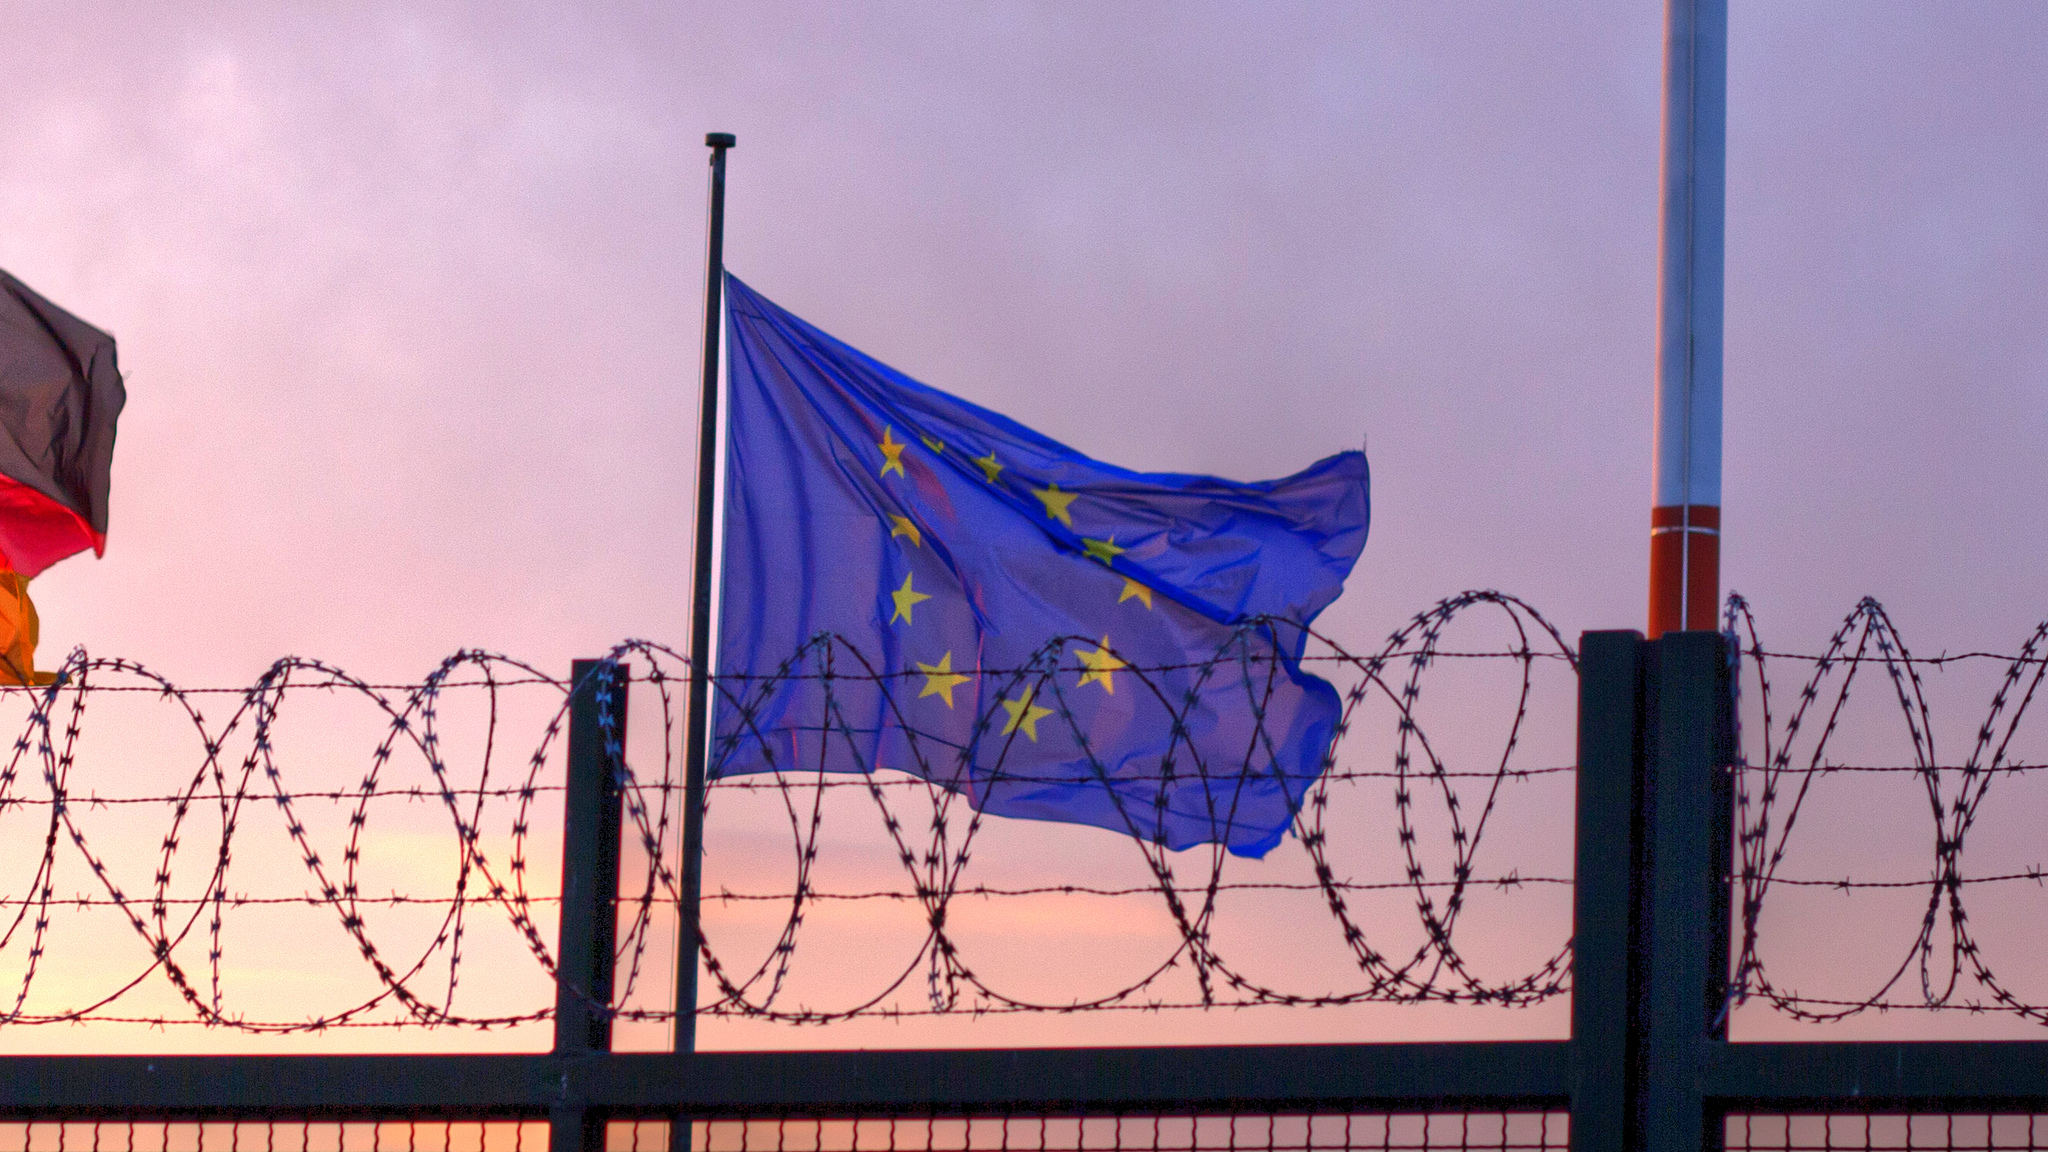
{"x": 913, "y": 582}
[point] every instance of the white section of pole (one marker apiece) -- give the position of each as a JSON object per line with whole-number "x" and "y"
{"x": 1688, "y": 448}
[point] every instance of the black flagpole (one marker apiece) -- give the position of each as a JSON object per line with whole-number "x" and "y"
{"x": 700, "y": 630}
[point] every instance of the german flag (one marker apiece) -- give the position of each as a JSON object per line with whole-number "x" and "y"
{"x": 60, "y": 395}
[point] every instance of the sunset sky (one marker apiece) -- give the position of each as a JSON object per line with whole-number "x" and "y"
{"x": 407, "y": 295}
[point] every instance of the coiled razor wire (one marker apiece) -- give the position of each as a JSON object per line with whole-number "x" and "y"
{"x": 184, "y": 936}
{"x": 1435, "y": 971}
{"x": 241, "y": 777}
{"x": 1941, "y": 969}
{"x": 164, "y": 923}
{"x": 1938, "y": 970}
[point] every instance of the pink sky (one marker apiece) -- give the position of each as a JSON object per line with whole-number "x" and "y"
{"x": 407, "y": 295}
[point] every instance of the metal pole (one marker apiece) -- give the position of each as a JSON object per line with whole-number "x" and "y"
{"x": 696, "y": 739}
{"x": 590, "y": 890}
{"x": 1606, "y": 1024}
{"x": 1684, "y": 939}
{"x": 1685, "y": 517}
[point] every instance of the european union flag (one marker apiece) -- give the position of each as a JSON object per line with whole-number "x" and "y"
{"x": 913, "y": 582}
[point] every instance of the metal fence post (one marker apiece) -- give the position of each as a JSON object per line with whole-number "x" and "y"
{"x": 1686, "y": 928}
{"x": 1603, "y": 903}
{"x": 590, "y": 892}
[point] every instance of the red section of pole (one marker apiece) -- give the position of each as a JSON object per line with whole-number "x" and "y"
{"x": 1685, "y": 568}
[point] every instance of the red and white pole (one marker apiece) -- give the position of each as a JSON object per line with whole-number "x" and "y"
{"x": 1685, "y": 517}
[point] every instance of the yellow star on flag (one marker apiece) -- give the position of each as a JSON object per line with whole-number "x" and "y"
{"x": 1100, "y": 664}
{"x": 894, "y": 453}
{"x": 1056, "y": 502}
{"x": 1103, "y": 550}
{"x": 1024, "y": 714}
{"x": 906, "y": 598}
{"x": 903, "y": 527}
{"x": 1134, "y": 589}
{"x": 940, "y": 679}
{"x": 936, "y": 445}
{"x": 989, "y": 465}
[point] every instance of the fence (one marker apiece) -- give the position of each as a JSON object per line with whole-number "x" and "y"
{"x": 1647, "y": 1067}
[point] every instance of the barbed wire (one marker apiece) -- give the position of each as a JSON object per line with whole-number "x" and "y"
{"x": 489, "y": 804}
{"x": 1772, "y": 791}
{"x": 1435, "y": 971}
{"x": 232, "y": 789}
{"x": 1935, "y": 661}
{"x": 181, "y": 913}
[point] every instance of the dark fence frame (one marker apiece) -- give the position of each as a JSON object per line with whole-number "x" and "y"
{"x": 1648, "y": 1068}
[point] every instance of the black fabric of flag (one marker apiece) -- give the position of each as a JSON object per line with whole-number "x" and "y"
{"x": 60, "y": 395}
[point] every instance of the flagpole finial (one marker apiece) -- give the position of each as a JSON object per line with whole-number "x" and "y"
{"x": 720, "y": 140}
